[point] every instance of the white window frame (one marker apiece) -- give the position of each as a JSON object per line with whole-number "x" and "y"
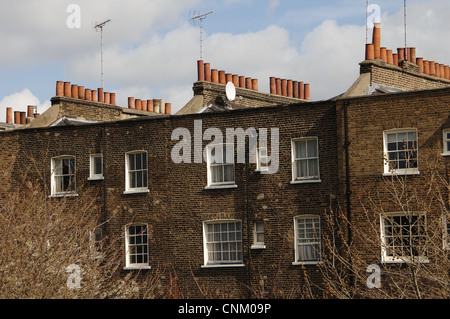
{"x": 388, "y": 171}
{"x": 92, "y": 175}
{"x": 53, "y": 179}
{"x": 316, "y": 241}
{"x": 128, "y": 188}
{"x": 306, "y": 179}
{"x": 258, "y": 244}
{"x": 238, "y": 241}
{"x": 392, "y": 258}
{"x": 210, "y": 165}
{"x": 128, "y": 243}
{"x": 445, "y": 142}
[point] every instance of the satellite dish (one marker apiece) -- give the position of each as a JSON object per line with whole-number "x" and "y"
{"x": 230, "y": 91}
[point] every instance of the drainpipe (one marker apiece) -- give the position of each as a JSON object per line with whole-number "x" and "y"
{"x": 248, "y": 222}
{"x": 104, "y": 177}
{"x": 348, "y": 189}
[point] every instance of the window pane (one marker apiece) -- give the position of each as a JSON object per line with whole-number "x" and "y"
{"x": 302, "y": 167}
{"x": 300, "y": 149}
{"x": 312, "y": 168}
{"x": 97, "y": 165}
{"x": 259, "y": 226}
{"x": 226, "y": 245}
{"x": 312, "y": 148}
{"x": 229, "y": 173}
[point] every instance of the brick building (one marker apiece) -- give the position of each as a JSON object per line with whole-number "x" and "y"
{"x": 227, "y": 226}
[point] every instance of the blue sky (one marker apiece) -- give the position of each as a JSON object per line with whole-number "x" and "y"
{"x": 151, "y": 47}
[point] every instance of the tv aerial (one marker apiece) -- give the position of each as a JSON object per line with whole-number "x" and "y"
{"x": 100, "y": 26}
{"x": 200, "y": 17}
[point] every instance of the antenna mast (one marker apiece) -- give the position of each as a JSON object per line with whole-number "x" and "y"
{"x": 406, "y": 46}
{"x": 201, "y": 17}
{"x": 100, "y": 26}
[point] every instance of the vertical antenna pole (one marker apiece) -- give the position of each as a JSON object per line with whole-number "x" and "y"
{"x": 100, "y": 26}
{"x": 367, "y": 18}
{"x": 201, "y": 17}
{"x": 406, "y": 50}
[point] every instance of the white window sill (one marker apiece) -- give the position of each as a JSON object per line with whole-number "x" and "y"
{"x": 406, "y": 260}
{"x": 299, "y": 263}
{"x": 445, "y": 154}
{"x": 58, "y": 195}
{"x": 401, "y": 173}
{"x": 137, "y": 267}
{"x": 306, "y": 181}
{"x": 223, "y": 265}
{"x": 258, "y": 247}
{"x": 95, "y": 178}
{"x": 221, "y": 186}
{"x": 136, "y": 191}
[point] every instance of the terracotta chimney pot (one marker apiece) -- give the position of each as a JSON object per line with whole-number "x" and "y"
{"x": 307, "y": 92}
{"x": 74, "y": 91}
{"x": 236, "y": 80}
{"x": 30, "y": 110}
{"x": 447, "y": 72}
{"x": 215, "y": 76}
{"x": 242, "y": 81}
{"x": 438, "y": 69}
{"x": 248, "y": 83}
{"x": 395, "y": 59}
{"x": 255, "y": 84}
{"x": 59, "y": 88}
{"x": 301, "y": 90}
{"x": 131, "y": 103}
{"x": 200, "y": 70}
{"x": 67, "y": 89}
{"x": 383, "y": 55}
{"x": 401, "y": 54}
{"x": 290, "y": 88}
{"x": 295, "y": 88}
{"x": 16, "y": 117}
{"x": 278, "y": 83}
{"x": 442, "y": 71}
{"x": 138, "y": 104}
{"x": 208, "y": 72}
{"x": 390, "y": 57}
{"x": 94, "y": 95}
{"x": 100, "y": 95}
{"x": 81, "y": 92}
{"x": 283, "y": 87}
{"x": 107, "y": 98}
{"x": 9, "y": 115}
{"x": 376, "y": 40}
{"x": 162, "y": 108}
{"x": 23, "y": 118}
{"x": 156, "y": 105}
{"x": 36, "y": 115}
{"x": 419, "y": 62}
{"x": 228, "y": 77}
{"x": 88, "y": 95}
{"x": 413, "y": 57}
{"x": 273, "y": 85}
{"x": 150, "y": 105}
{"x": 222, "y": 77}
{"x": 432, "y": 68}
{"x": 426, "y": 67}
{"x": 370, "y": 51}
{"x": 168, "y": 108}
{"x": 113, "y": 98}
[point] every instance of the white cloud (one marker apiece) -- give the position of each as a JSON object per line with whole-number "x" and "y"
{"x": 19, "y": 101}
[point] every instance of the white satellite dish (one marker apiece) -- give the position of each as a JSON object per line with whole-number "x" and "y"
{"x": 230, "y": 91}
